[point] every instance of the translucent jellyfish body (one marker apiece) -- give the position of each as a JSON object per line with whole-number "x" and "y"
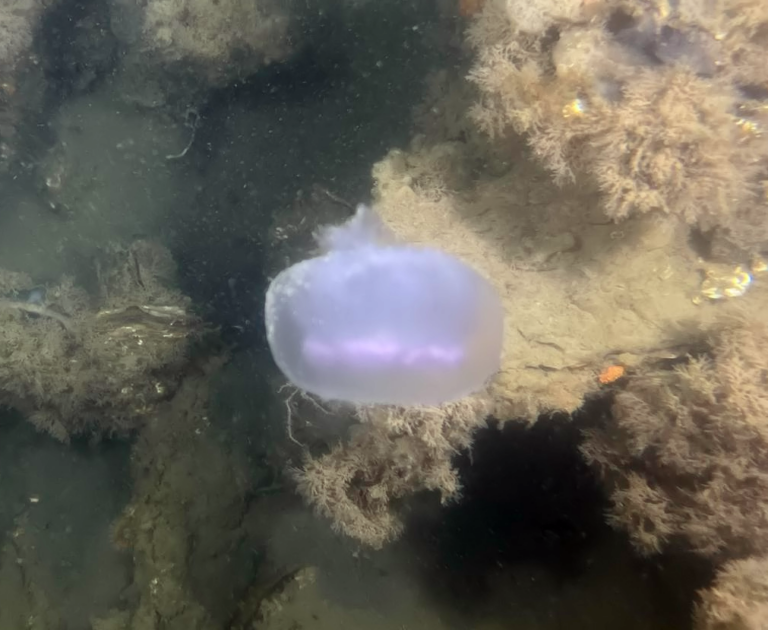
{"x": 369, "y": 322}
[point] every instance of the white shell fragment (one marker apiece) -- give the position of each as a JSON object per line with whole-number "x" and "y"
{"x": 369, "y": 323}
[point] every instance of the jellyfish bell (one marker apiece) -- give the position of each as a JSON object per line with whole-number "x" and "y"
{"x": 373, "y": 322}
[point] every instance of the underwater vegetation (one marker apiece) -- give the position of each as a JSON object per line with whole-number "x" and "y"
{"x": 95, "y": 365}
{"x": 661, "y": 104}
{"x": 686, "y": 451}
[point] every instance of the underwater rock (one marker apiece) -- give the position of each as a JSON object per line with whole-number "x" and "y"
{"x": 378, "y": 323}
{"x": 80, "y": 365}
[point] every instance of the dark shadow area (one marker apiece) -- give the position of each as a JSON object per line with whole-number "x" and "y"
{"x": 531, "y": 523}
{"x": 324, "y": 117}
{"x": 78, "y": 47}
{"x": 528, "y": 497}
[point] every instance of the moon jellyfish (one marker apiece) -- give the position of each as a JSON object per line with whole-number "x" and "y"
{"x": 370, "y": 321}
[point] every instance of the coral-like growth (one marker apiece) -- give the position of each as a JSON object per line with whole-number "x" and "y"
{"x": 76, "y": 365}
{"x": 661, "y": 107}
{"x": 739, "y": 598}
{"x": 393, "y": 454}
{"x": 686, "y": 451}
{"x": 214, "y": 32}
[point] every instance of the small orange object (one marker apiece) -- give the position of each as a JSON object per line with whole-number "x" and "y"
{"x": 467, "y": 8}
{"x": 611, "y": 373}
